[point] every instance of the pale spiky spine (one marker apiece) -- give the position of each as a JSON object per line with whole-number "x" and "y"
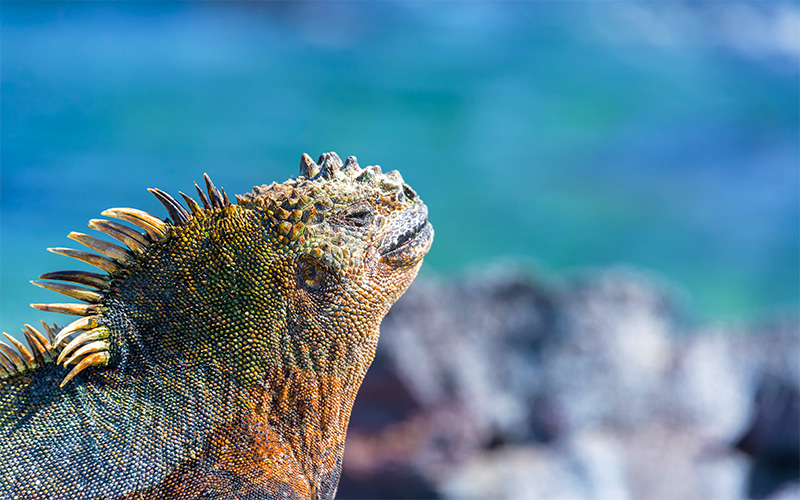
{"x": 18, "y": 359}
{"x": 85, "y": 341}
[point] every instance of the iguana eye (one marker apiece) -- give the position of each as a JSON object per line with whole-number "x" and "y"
{"x": 359, "y": 215}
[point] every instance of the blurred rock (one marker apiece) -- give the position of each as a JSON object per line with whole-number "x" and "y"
{"x": 477, "y": 346}
{"x": 616, "y": 350}
{"x": 773, "y": 437}
{"x": 498, "y": 385}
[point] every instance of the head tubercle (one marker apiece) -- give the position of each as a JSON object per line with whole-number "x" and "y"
{"x": 332, "y": 208}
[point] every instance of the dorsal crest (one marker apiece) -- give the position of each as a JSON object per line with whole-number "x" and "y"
{"x": 19, "y": 359}
{"x": 85, "y": 341}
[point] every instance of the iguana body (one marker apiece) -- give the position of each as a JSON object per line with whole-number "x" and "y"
{"x": 221, "y": 355}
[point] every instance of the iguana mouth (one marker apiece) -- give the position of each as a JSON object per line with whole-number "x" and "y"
{"x": 410, "y": 237}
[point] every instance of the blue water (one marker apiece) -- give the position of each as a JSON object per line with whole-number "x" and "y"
{"x": 663, "y": 136}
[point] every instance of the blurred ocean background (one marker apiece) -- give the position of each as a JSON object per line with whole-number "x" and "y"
{"x": 579, "y": 135}
{"x": 610, "y": 307}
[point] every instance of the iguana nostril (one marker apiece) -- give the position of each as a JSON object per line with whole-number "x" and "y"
{"x": 410, "y": 194}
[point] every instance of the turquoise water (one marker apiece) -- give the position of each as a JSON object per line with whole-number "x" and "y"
{"x": 572, "y": 136}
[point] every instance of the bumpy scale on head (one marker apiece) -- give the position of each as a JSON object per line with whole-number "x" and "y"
{"x": 333, "y": 210}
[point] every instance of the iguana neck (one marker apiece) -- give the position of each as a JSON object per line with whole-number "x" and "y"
{"x": 199, "y": 309}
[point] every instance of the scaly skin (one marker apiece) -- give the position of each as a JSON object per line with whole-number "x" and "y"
{"x": 228, "y": 351}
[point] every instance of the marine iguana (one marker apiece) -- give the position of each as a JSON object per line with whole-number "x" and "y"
{"x": 219, "y": 354}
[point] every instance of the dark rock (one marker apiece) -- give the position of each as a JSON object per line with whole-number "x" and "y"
{"x": 773, "y": 438}
{"x": 391, "y": 483}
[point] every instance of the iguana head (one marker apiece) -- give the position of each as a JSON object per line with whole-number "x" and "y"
{"x": 355, "y": 237}
{"x": 296, "y": 274}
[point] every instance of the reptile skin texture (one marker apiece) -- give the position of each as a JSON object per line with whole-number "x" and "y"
{"x": 218, "y": 354}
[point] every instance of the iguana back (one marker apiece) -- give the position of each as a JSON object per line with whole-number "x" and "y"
{"x": 219, "y": 354}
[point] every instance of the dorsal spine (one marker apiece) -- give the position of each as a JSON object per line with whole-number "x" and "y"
{"x": 85, "y": 341}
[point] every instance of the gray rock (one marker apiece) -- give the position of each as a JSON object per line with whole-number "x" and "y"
{"x": 501, "y": 385}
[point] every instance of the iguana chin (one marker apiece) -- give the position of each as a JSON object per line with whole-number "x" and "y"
{"x": 220, "y": 353}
